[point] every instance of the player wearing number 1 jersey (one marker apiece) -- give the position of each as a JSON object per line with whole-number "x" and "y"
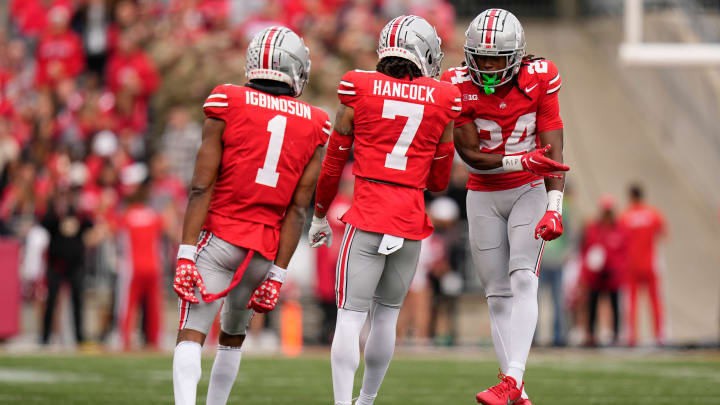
{"x": 254, "y": 177}
{"x": 510, "y": 120}
{"x": 400, "y": 120}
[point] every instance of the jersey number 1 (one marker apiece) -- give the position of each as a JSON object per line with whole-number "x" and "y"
{"x": 396, "y": 159}
{"x": 268, "y": 175}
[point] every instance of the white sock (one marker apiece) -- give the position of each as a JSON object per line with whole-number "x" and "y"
{"x": 524, "y": 284}
{"x": 186, "y": 372}
{"x": 345, "y": 353}
{"x": 379, "y": 350}
{"x": 223, "y": 374}
{"x": 500, "y": 309}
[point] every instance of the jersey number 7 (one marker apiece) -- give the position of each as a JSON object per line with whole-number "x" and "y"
{"x": 396, "y": 159}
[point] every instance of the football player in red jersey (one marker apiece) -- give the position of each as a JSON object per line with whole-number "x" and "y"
{"x": 254, "y": 177}
{"x": 400, "y": 120}
{"x": 510, "y": 120}
{"x": 645, "y": 227}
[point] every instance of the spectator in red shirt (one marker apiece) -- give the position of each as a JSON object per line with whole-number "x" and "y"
{"x": 60, "y": 52}
{"x": 131, "y": 75}
{"x": 30, "y": 16}
{"x": 603, "y": 261}
{"x": 141, "y": 229}
{"x": 645, "y": 227}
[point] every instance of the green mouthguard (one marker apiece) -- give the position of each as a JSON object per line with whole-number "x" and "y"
{"x": 489, "y": 83}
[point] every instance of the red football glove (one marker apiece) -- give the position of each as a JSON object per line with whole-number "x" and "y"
{"x": 538, "y": 164}
{"x": 186, "y": 278}
{"x": 550, "y": 226}
{"x": 266, "y": 295}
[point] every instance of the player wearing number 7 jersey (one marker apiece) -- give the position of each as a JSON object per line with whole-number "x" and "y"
{"x": 510, "y": 119}
{"x": 254, "y": 177}
{"x": 400, "y": 121}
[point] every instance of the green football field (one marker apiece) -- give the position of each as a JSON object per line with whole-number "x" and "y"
{"x": 553, "y": 378}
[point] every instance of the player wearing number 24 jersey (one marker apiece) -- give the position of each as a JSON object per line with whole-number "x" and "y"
{"x": 400, "y": 120}
{"x": 254, "y": 177}
{"x": 510, "y": 121}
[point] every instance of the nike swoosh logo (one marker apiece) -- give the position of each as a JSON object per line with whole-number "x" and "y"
{"x": 441, "y": 157}
{"x": 534, "y": 161}
{"x": 536, "y": 184}
{"x": 391, "y": 247}
{"x": 341, "y": 148}
{"x": 529, "y": 89}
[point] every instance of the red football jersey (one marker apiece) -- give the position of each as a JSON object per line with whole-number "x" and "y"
{"x": 141, "y": 229}
{"x": 509, "y": 125}
{"x": 397, "y": 126}
{"x": 267, "y": 143}
{"x": 644, "y": 225}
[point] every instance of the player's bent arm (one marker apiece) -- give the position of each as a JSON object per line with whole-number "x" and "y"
{"x": 207, "y": 164}
{"x": 467, "y": 145}
{"x": 554, "y": 138}
{"x": 338, "y": 152}
{"x": 294, "y": 221}
{"x": 439, "y": 176}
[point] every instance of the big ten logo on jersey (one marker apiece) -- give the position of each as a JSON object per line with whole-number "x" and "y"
{"x": 520, "y": 140}
{"x": 410, "y": 91}
{"x": 539, "y": 66}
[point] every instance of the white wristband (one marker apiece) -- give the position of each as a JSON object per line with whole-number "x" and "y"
{"x": 317, "y": 221}
{"x": 277, "y": 273}
{"x": 512, "y": 163}
{"x": 555, "y": 201}
{"x": 187, "y": 252}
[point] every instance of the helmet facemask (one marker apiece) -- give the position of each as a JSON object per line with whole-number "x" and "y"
{"x": 490, "y": 79}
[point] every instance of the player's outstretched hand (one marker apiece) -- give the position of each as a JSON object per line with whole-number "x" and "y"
{"x": 320, "y": 232}
{"x": 186, "y": 278}
{"x": 266, "y": 295}
{"x": 537, "y": 163}
{"x": 550, "y": 226}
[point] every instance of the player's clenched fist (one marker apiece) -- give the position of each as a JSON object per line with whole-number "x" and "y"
{"x": 187, "y": 275}
{"x": 266, "y": 295}
{"x": 320, "y": 232}
{"x": 537, "y": 163}
{"x": 550, "y": 226}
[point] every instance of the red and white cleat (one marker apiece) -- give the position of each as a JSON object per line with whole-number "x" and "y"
{"x": 505, "y": 393}
{"x": 523, "y": 401}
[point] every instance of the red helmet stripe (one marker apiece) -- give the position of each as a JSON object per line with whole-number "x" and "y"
{"x": 394, "y": 31}
{"x": 491, "y": 21}
{"x": 268, "y": 48}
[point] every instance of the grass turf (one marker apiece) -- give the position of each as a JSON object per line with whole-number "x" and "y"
{"x": 553, "y": 379}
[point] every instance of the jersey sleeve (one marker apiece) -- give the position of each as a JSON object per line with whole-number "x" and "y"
{"x": 216, "y": 105}
{"x": 347, "y": 89}
{"x": 456, "y": 76}
{"x": 552, "y": 78}
{"x": 455, "y": 103}
{"x": 325, "y": 127}
{"x": 548, "y": 117}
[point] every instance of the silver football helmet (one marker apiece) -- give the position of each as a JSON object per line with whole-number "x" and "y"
{"x": 495, "y": 32}
{"x": 277, "y": 53}
{"x": 412, "y": 38}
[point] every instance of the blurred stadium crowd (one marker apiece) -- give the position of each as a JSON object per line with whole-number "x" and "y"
{"x": 100, "y": 119}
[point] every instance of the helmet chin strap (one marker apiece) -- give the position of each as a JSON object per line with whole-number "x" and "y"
{"x": 489, "y": 83}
